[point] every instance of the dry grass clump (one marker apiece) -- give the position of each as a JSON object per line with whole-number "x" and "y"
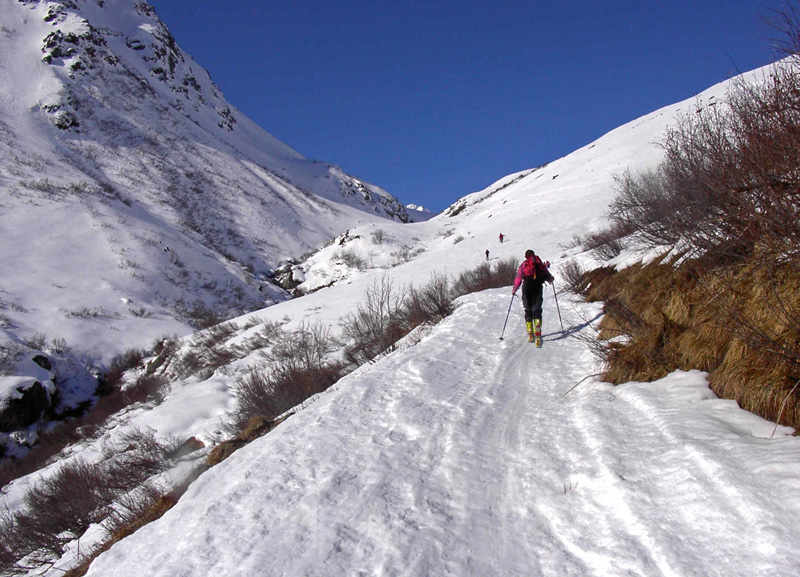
{"x": 254, "y": 428}
{"x": 737, "y": 322}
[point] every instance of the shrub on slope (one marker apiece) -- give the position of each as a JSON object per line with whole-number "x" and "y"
{"x": 727, "y": 200}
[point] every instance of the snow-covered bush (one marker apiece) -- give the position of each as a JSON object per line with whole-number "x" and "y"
{"x": 378, "y": 236}
{"x": 350, "y": 258}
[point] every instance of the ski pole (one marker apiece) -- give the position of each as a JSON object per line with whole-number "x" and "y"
{"x": 508, "y": 313}
{"x": 557, "y": 308}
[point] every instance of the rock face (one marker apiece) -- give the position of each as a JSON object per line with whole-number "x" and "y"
{"x": 26, "y": 409}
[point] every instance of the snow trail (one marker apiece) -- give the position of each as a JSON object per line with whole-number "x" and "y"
{"x": 462, "y": 456}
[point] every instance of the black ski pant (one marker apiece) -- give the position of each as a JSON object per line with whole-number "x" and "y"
{"x": 532, "y": 298}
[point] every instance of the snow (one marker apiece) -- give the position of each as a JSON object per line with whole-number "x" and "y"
{"x": 463, "y": 456}
{"x": 467, "y": 455}
{"x": 152, "y": 197}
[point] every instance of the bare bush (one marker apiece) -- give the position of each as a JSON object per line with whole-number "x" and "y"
{"x": 270, "y": 331}
{"x": 485, "y": 276}
{"x": 201, "y": 316}
{"x": 130, "y": 359}
{"x": 134, "y": 457}
{"x": 133, "y": 506}
{"x": 573, "y": 276}
{"x": 350, "y": 258}
{"x": 607, "y": 244}
{"x": 37, "y": 341}
{"x": 505, "y": 270}
{"x": 405, "y": 254}
{"x": 10, "y": 355}
{"x": 430, "y": 304}
{"x": 61, "y": 506}
{"x": 377, "y": 324}
{"x": 729, "y": 180}
{"x": 217, "y": 334}
{"x": 378, "y": 236}
{"x": 258, "y": 394}
{"x": 146, "y": 387}
{"x": 728, "y": 192}
{"x": 296, "y": 367}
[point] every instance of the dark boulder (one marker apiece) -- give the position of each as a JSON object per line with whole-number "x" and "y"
{"x": 25, "y": 410}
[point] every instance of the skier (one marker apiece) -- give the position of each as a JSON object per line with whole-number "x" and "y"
{"x": 487, "y": 254}
{"x": 532, "y": 274}
{"x": 501, "y": 238}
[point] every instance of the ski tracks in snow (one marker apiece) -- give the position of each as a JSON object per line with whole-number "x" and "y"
{"x": 462, "y": 456}
{"x": 607, "y": 481}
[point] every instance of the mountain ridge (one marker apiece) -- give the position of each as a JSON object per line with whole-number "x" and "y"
{"x": 106, "y": 123}
{"x": 137, "y": 202}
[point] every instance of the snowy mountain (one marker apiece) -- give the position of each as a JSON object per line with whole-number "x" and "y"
{"x": 463, "y": 454}
{"x": 136, "y": 199}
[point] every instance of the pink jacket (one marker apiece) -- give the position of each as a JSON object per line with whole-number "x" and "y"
{"x": 532, "y": 268}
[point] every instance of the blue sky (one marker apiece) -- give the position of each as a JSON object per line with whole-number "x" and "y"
{"x": 434, "y": 100}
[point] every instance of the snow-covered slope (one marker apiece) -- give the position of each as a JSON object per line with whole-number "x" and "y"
{"x": 135, "y": 201}
{"x": 135, "y": 198}
{"x": 462, "y": 455}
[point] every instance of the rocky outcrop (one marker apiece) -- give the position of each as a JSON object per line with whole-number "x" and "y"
{"x": 26, "y": 409}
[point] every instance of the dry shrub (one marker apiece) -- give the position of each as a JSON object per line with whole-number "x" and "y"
{"x": 377, "y": 323}
{"x": 486, "y": 276}
{"x": 296, "y": 367}
{"x": 269, "y": 333}
{"x": 61, "y": 506}
{"x": 145, "y": 507}
{"x": 574, "y": 277}
{"x": 146, "y": 388}
{"x": 429, "y": 304}
{"x": 729, "y": 180}
{"x": 130, "y": 359}
{"x": 608, "y": 243}
{"x": 207, "y": 352}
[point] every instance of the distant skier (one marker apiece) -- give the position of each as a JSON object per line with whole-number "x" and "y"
{"x": 487, "y": 254}
{"x": 501, "y": 238}
{"x": 532, "y": 274}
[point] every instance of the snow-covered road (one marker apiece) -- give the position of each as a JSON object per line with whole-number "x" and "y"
{"x": 462, "y": 456}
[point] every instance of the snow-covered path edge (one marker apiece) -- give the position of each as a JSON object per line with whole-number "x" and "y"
{"x": 462, "y": 456}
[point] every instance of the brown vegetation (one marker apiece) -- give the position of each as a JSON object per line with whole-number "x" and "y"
{"x": 61, "y": 506}
{"x": 726, "y": 199}
{"x": 729, "y": 322}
